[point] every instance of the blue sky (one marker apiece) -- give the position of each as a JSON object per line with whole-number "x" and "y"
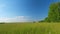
{"x": 28, "y": 10}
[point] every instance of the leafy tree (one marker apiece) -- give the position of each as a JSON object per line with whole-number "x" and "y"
{"x": 46, "y": 19}
{"x": 54, "y": 13}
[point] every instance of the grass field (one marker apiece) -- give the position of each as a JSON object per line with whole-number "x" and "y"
{"x": 30, "y": 28}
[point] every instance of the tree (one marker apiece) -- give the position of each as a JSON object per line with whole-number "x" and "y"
{"x": 54, "y": 13}
{"x": 46, "y": 19}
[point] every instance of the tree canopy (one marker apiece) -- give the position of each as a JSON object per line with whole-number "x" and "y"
{"x": 54, "y": 13}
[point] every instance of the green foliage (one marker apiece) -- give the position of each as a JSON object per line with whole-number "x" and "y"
{"x": 41, "y": 21}
{"x": 34, "y": 21}
{"x": 46, "y": 20}
{"x": 54, "y": 13}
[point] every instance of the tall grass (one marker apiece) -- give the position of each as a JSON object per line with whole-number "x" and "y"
{"x": 30, "y": 28}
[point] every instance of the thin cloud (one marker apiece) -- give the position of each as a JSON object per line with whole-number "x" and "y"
{"x": 16, "y": 19}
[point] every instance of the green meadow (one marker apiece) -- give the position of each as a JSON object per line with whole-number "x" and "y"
{"x": 30, "y": 28}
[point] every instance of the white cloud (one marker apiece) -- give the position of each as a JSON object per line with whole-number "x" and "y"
{"x": 16, "y": 19}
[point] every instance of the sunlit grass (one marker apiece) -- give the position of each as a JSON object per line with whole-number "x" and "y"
{"x": 30, "y": 28}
